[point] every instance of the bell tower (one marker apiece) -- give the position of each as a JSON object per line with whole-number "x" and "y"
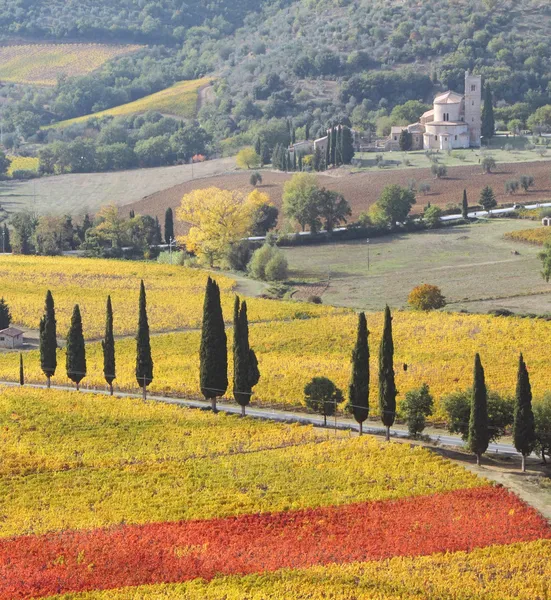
{"x": 473, "y": 107}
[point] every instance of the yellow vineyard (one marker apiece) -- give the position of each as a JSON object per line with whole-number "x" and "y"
{"x": 22, "y": 163}
{"x": 437, "y": 348}
{"x": 179, "y": 100}
{"x": 537, "y": 236}
{"x": 174, "y": 294}
{"x": 42, "y": 64}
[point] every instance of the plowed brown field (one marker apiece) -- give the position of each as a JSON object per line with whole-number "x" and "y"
{"x": 363, "y": 189}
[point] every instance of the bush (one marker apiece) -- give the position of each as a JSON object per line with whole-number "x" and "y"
{"x": 268, "y": 264}
{"x": 255, "y": 178}
{"x": 416, "y": 406}
{"x": 24, "y": 174}
{"x": 239, "y": 255}
{"x": 426, "y": 297}
{"x": 512, "y": 186}
{"x": 439, "y": 171}
{"x": 314, "y": 299}
{"x": 458, "y": 409}
{"x": 322, "y": 396}
{"x": 432, "y": 217}
{"x": 488, "y": 163}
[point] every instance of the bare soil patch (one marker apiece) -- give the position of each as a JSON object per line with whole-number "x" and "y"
{"x": 362, "y": 189}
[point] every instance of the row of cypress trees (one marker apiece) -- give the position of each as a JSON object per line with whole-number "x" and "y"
{"x": 524, "y": 432}
{"x": 213, "y": 351}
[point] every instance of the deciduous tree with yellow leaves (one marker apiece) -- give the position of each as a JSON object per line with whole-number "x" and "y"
{"x": 218, "y": 218}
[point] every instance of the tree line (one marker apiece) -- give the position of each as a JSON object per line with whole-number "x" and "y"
{"x": 478, "y": 415}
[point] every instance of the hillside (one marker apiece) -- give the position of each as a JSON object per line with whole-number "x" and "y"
{"x": 179, "y": 100}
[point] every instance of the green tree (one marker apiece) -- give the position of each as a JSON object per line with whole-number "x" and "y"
{"x": 247, "y": 158}
{"x": 465, "y": 206}
{"x": 5, "y": 163}
{"x": 5, "y": 314}
{"x": 76, "y": 350}
{"x": 433, "y": 217}
{"x": 213, "y": 352}
{"x": 545, "y": 257}
{"x": 347, "y": 145}
{"x": 6, "y": 242}
{"x": 24, "y": 224}
{"x": 526, "y": 182}
{"x": 488, "y": 163}
{"x": 542, "y": 418}
{"x": 332, "y": 208}
{"x": 416, "y": 407}
{"x": 358, "y": 390}
{"x": 48, "y": 339}
{"x": 144, "y": 361}
{"x": 405, "y": 141}
{"x": 322, "y": 396}
{"x": 300, "y": 200}
{"x": 245, "y": 365}
{"x": 169, "y": 225}
{"x": 387, "y": 385}
{"x": 21, "y": 370}
{"x": 108, "y": 346}
{"x": 488, "y": 121}
{"x": 487, "y": 198}
{"x": 394, "y": 205}
{"x": 479, "y": 436}
{"x": 524, "y": 432}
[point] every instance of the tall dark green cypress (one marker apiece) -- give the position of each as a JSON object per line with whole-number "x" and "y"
{"x": 48, "y": 339}
{"x": 465, "y": 206}
{"x": 144, "y": 361}
{"x": 169, "y": 225}
{"x": 333, "y": 146}
{"x": 76, "y": 350}
{"x": 358, "y": 390}
{"x": 108, "y": 346}
{"x": 21, "y": 370}
{"x": 328, "y": 150}
{"x": 524, "y": 430}
{"x": 347, "y": 145}
{"x": 6, "y": 244}
{"x": 488, "y": 120}
{"x": 479, "y": 436}
{"x": 213, "y": 353}
{"x": 245, "y": 365}
{"x": 387, "y": 385}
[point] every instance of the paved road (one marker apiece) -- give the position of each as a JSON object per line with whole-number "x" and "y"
{"x": 496, "y": 211}
{"x": 283, "y": 416}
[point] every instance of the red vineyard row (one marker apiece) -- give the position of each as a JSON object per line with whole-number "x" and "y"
{"x": 131, "y": 555}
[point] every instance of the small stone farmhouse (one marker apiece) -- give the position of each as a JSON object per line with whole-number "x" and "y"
{"x": 11, "y": 338}
{"x": 455, "y": 121}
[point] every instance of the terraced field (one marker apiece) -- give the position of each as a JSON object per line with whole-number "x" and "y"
{"x": 43, "y": 64}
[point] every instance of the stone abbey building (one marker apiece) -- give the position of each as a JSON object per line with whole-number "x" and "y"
{"x": 454, "y": 122}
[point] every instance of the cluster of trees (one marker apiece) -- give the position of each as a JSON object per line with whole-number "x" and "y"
{"x": 105, "y": 235}
{"x": 309, "y": 205}
{"x": 148, "y": 140}
{"x": 524, "y": 182}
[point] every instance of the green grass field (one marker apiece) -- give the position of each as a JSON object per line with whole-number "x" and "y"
{"x": 179, "y": 100}
{"x": 456, "y": 158}
{"x": 43, "y": 64}
{"x": 474, "y": 265}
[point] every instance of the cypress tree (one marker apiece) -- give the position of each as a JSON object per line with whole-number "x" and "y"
{"x": 479, "y": 436}
{"x": 108, "y": 346}
{"x": 294, "y": 161}
{"x": 6, "y": 244}
{"x": 387, "y": 385}
{"x": 48, "y": 339}
{"x": 465, "y": 206}
{"x": 76, "y": 350}
{"x": 132, "y": 213}
{"x": 213, "y": 352}
{"x": 144, "y": 362}
{"x": 524, "y": 432}
{"x": 258, "y": 146}
{"x": 333, "y": 145}
{"x": 21, "y": 370}
{"x": 293, "y": 136}
{"x": 488, "y": 120}
{"x": 169, "y": 225}
{"x": 245, "y": 365}
{"x": 158, "y": 237}
{"x": 339, "y": 147}
{"x": 328, "y": 150}
{"x": 300, "y": 162}
{"x": 307, "y": 131}
{"x": 358, "y": 390}
{"x": 347, "y": 145}
{"x": 5, "y": 314}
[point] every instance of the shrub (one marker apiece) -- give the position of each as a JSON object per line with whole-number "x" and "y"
{"x": 314, "y": 299}
{"x": 255, "y": 178}
{"x": 268, "y": 264}
{"x": 512, "y": 186}
{"x": 24, "y": 174}
{"x": 426, "y": 297}
{"x": 247, "y": 158}
{"x": 526, "y": 182}
{"x": 239, "y": 255}
{"x": 439, "y": 171}
{"x": 322, "y": 396}
{"x": 488, "y": 163}
{"x": 416, "y": 406}
{"x": 424, "y": 188}
{"x": 432, "y": 217}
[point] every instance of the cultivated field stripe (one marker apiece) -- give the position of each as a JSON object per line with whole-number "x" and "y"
{"x": 33, "y": 566}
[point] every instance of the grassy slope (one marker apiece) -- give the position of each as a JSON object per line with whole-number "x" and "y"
{"x": 42, "y": 64}
{"x": 179, "y": 100}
